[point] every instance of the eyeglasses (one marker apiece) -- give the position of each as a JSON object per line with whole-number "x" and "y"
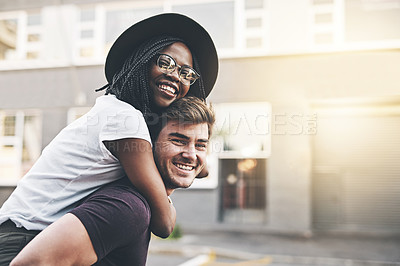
{"x": 167, "y": 65}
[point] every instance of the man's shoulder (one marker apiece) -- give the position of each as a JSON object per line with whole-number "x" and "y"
{"x": 118, "y": 203}
{"x": 122, "y": 195}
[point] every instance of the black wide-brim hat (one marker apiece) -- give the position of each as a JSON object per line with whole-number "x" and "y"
{"x": 192, "y": 33}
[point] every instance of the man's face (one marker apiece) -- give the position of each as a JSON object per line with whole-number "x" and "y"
{"x": 180, "y": 153}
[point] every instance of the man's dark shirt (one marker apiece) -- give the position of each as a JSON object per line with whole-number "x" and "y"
{"x": 117, "y": 219}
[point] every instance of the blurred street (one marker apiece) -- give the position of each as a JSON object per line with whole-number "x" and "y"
{"x": 231, "y": 248}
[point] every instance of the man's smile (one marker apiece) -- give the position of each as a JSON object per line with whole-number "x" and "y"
{"x": 184, "y": 167}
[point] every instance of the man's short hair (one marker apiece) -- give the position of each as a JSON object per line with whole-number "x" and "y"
{"x": 187, "y": 110}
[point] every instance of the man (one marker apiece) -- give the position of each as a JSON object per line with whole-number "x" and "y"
{"x": 151, "y": 64}
{"x": 111, "y": 226}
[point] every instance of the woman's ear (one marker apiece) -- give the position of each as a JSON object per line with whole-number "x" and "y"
{"x": 203, "y": 173}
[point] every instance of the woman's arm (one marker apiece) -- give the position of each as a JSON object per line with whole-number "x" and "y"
{"x": 65, "y": 242}
{"x": 136, "y": 157}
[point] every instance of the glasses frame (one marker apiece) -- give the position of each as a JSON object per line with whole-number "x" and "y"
{"x": 182, "y": 80}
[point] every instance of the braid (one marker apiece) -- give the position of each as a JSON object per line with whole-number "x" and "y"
{"x": 200, "y": 92}
{"x": 131, "y": 83}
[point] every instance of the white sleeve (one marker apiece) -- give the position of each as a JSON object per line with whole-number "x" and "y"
{"x": 127, "y": 123}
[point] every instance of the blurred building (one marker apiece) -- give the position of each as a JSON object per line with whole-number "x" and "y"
{"x": 307, "y": 101}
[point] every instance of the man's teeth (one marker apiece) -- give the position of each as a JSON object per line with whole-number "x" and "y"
{"x": 168, "y": 88}
{"x": 184, "y": 167}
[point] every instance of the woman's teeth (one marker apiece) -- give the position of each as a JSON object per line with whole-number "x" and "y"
{"x": 168, "y": 88}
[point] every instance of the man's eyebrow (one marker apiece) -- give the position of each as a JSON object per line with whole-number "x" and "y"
{"x": 178, "y": 135}
{"x": 182, "y": 136}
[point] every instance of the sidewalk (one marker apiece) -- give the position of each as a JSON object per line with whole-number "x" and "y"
{"x": 214, "y": 248}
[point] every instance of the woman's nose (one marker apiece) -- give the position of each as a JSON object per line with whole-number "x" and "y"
{"x": 174, "y": 75}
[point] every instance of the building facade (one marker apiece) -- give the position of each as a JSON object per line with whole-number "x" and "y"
{"x": 307, "y": 102}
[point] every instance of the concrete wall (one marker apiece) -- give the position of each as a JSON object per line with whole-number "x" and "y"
{"x": 52, "y": 90}
{"x": 291, "y": 84}
{"x": 50, "y": 87}
{"x": 5, "y": 192}
{"x": 301, "y": 78}
{"x": 196, "y": 207}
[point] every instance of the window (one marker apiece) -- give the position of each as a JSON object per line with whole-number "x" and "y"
{"x": 20, "y": 143}
{"x": 253, "y": 42}
{"x": 86, "y": 37}
{"x": 8, "y": 38}
{"x": 242, "y": 129}
{"x": 34, "y": 19}
{"x": 255, "y": 30}
{"x": 243, "y": 190}
{"x": 242, "y": 143}
{"x": 118, "y": 20}
{"x": 211, "y": 14}
{"x": 252, "y": 4}
{"x": 33, "y": 35}
{"x": 87, "y": 15}
{"x": 326, "y": 24}
{"x": 323, "y": 18}
{"x": 254, "y": 23}
{"x": 9, "y": 126}
{"x": 372, "y": 20}
{"x": 242, "y": 29}
{"x": 238, "y": 30}
{"x": 99, "y": 26}
{"x": 87, "y": 34}
{"x": 20, "y": 35}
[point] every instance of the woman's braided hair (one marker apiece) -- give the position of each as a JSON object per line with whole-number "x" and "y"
{"x": 131, "y": 83}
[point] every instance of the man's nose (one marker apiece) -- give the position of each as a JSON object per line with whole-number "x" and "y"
{"x": 189, "y": 153}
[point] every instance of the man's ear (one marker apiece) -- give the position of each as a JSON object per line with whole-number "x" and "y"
{"x": 203, "y": 173}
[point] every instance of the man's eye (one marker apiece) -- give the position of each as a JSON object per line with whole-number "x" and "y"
{"x": 201, "y": 146}
{"x": 178, "y": 141}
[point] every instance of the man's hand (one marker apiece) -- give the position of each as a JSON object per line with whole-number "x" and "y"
{"x": 203, "y": 173}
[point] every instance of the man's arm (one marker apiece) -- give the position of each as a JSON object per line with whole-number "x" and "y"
{"x": 65, "y": 242}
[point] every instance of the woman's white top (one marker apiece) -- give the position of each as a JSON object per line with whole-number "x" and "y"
{"x": 74, "y": 164}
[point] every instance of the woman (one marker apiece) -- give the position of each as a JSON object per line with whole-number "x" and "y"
{"x": 150, "y": 65}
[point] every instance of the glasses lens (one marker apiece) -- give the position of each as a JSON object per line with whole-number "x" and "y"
{"x": 188, "y": 75}
{"x": 166, "y": 63}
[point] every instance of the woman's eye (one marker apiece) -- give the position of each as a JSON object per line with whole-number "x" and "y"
{"x": 165, "y": 63}
{"x": 184, "y": 71}
{"x": 168, "y": 66}
{"x": 187, "y": 72}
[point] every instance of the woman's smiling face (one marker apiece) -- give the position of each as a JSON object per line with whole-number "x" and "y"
{"x": 167, "y": 88}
